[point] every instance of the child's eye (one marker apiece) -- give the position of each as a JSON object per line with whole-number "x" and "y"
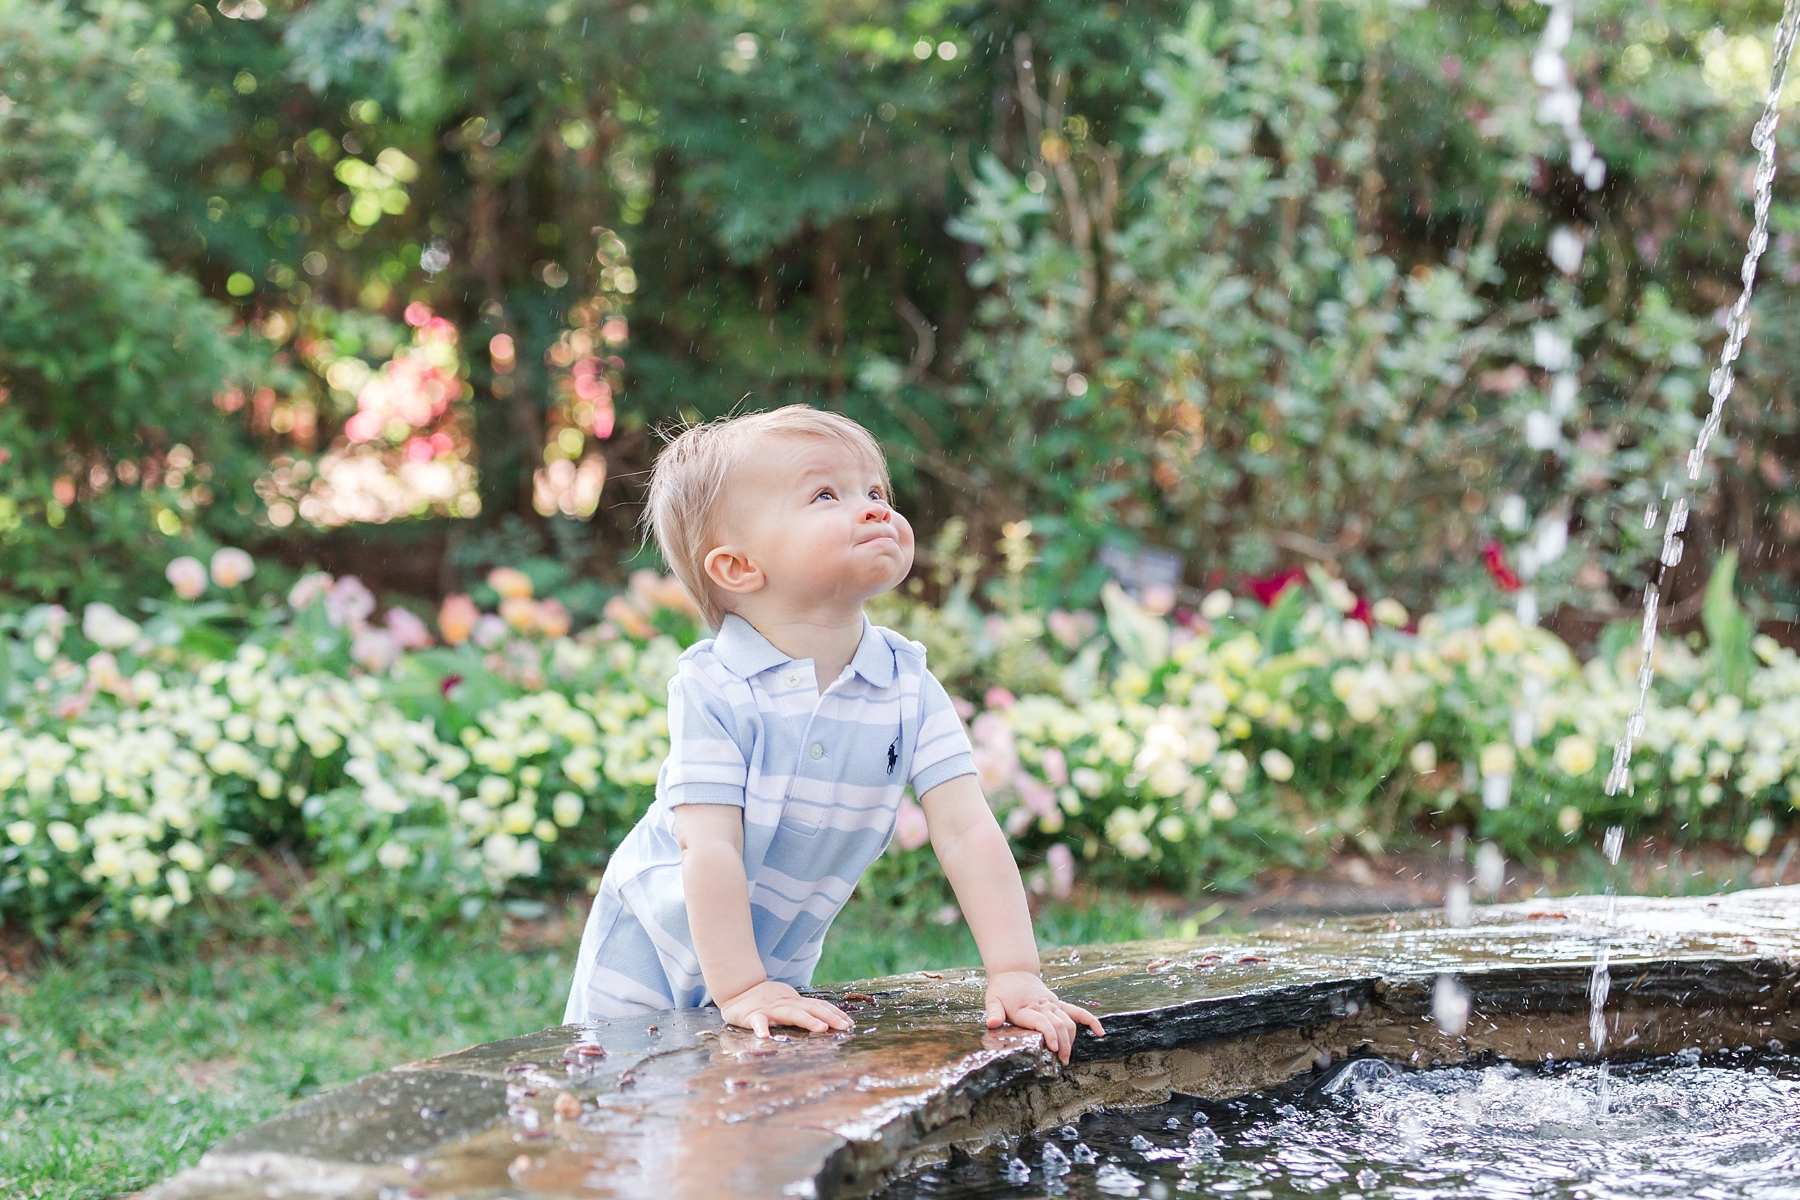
{"x": 875, "y": 494}
{"x": 825, "y": 494}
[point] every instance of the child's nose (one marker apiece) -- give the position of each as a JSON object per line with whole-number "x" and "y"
{"x": 877, "y": 510}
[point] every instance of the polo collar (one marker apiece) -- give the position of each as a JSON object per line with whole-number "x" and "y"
{"x": 745, "y": 652}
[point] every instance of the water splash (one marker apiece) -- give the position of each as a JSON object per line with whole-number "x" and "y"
{"x": 1737, "y": 327}
{"x": 1725, "y": 1126}
{"x": 1600, "y": 979}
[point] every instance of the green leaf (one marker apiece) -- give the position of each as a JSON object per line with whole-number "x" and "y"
{"x": 1142, "y": 635}
{"x": 1727, "y": 628}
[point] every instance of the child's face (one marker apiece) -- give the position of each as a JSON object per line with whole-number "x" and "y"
{"x": 812, "y": 516}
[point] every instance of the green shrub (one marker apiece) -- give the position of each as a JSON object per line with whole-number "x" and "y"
{"x": 356, "y": 771}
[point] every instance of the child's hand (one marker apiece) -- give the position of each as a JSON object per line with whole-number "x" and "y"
{"x": 770, "y": 1003}
{"x": 1021, "y": 998}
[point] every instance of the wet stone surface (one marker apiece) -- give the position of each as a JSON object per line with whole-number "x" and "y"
{"x": 673, "y": 1105}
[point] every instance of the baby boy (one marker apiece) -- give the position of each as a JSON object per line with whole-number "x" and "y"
{"x": 791, "y": 737}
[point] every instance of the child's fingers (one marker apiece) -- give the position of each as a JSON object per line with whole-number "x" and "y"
{"x": 759, "y": 1024}
{"x": 1082, "y": 1016}
{"x": 1043, "y": 1023}
{"x": 996, "y": 1012}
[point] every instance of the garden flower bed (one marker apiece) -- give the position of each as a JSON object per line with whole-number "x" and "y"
{"x": 361, "y": 768}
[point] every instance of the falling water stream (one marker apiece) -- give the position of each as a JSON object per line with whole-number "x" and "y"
{"x": 1600, "y": 982}
{"x": 1737, "y": 327}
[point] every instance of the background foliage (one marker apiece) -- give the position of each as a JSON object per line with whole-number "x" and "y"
{"x": 1256, "y": 282}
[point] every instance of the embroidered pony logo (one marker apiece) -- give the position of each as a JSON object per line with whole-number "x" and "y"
{"x": 893, "y": 755}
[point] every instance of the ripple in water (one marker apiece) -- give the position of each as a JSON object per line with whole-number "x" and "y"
{"x": 1725, "y": 1127}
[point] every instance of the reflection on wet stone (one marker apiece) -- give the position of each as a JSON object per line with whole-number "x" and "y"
{"x": 673, "y": 1105}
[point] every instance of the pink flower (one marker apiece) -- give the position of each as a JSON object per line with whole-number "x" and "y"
{"x": 910, "y": 829}
{"x": 1062, "y": 871}
{"x": 457, "y": 618}
{"x": 1038, "y": 798}
{"x": 349, "y": 603}
{"x": 490, "y": 631}
{"x": 553, "y": 619}
{"x": 408, "y": 630}
{"x": 231, "y": 567}
{"x": 963, "y": 708}
{"x": 1056, "y": 767}
{"x": 374, "y": 650}
{"x": 307, "y": 591}
{"x": 1072, "y": 628}
{"x": 999, "y": 697}
{"x": 186, "y": 576}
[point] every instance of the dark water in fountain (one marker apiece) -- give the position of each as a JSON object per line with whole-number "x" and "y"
{"x": 1724, "y": 1126}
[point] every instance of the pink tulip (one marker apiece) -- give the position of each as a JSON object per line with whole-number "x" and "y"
{"x": 186, "y": 576}
{"x": 231, "y": 567}
{"x": 456, "y": 619}
{"x": 511, "y": 583}
{"x": 521, "y": 612}
{"x": 408, "y": 630}
{"x": 553, "y": 619}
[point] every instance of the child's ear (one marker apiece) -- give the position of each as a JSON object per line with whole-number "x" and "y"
{"x": 731, "y": 569}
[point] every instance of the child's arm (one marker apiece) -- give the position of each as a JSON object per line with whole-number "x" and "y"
{"x": 718, "y": 910}
{"x": 979, "y": 864}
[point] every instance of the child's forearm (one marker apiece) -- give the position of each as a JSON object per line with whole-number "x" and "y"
{"x": 978, "y": 862}
{"x": 718, "y": 899}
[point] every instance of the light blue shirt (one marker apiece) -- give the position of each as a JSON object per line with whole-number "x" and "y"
{"x": 819, "y": 777}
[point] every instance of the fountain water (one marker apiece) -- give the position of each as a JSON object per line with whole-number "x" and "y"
{"x": 1737, "y": 327}
{"x": 1600, "y": 980}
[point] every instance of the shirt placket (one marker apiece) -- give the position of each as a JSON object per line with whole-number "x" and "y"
{"x": 811, "y": 750}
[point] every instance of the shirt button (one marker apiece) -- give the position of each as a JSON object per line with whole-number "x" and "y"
{"x": 792, "y": 679}
{"x": 818, "y": 751}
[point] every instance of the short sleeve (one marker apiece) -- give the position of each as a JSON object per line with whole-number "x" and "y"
{"x": 706, "y": 764}
{"x": 942, "y": 752}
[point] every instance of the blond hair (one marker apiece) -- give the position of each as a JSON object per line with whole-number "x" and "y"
{"x": 693, "y": 471}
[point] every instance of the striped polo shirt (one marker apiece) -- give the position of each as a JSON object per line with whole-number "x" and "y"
{"x": 819, "y": 777}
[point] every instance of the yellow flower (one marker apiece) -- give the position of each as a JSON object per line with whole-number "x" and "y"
{"x": 1503, "y": 634}
{"x": 1423, "y": 757}
{"x": 1277, "y": 766}
{"x": 21, "y": 832}
{"x": 1497, "y": 758}
{"x": 1391, "y": 612}
{"x": 518, "y": 817}
{"x": 220, "y": 879}
{"x": 1575, "y": 755}
{"x": 64, "y": 836}
{"x": 1759, "y": 835}
{"x": 1569, "y": 820}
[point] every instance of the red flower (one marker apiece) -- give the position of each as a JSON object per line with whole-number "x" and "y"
{"x": 450, "y": 684}
{"x": 1268, "y": 588}
{"x": 1505, "y": 578}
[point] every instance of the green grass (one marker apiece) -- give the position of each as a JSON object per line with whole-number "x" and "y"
{"x": 117, "y": 1071}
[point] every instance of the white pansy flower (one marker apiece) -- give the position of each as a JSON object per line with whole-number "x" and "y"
{"x": 566, "y": 809}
